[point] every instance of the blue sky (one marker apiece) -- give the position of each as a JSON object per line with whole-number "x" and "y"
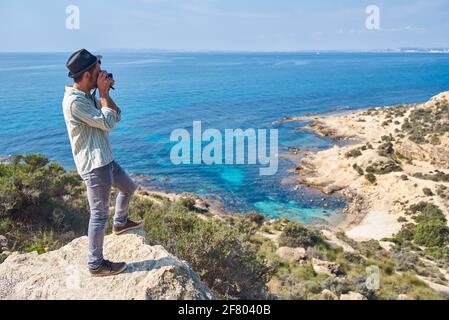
{"x": 236, "y": 25}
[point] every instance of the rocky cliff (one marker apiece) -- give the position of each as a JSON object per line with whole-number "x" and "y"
{"x": 152, "y": 273}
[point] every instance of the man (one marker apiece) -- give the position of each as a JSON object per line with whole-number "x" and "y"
{"x": 88, "y": 123}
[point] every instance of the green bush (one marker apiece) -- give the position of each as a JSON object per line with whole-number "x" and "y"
{"x": 427, "y": 212}
{"x": 370, "y": 177}
{"x": 358, "y": 169}
{"x": 255, "y": 217}
{"x": 224, "y": 257}
{"x": 382, "y": 167}
{"x": 427, "y": 192}
{"x": 437, "y": 177}
{"x": 406, "y": 233}
{"x": 432, "y": 234}
{"x": 296, "y": 235}
{"x": 187, "y": 202}
{"x": 32, "y": 187}
{"x": 442, "y": 191}
{"x": 39, "y": 198}
{"x": 386, "y": 149}
{"x": 439, "y": 253}
{"x": 354, "y": 153}
{"x": 425, "y": 122}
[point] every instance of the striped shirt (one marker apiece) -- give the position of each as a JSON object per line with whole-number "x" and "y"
{"x": 88, "y": 128}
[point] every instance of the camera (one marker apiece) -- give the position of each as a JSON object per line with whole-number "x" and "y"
{"x": 109, "y": 76}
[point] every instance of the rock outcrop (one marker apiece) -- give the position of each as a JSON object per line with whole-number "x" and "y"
{"x": 352, "y": 296}
{"x": 291, "y": 254}
{"x": 152, "y": 273}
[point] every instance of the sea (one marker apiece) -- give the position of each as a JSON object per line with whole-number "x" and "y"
{"x": 159, "y": 92}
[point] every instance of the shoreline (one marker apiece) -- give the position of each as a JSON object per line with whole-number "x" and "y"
{"x": 366, "y": 135}
{"x": 204, "y": 204}
{"x": 379, "y": 142}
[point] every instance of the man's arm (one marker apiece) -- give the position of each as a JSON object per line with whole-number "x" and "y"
{"x": 104, "y": 119}
{"x": 104, "y": 85}
{"x": 107, "y": 102}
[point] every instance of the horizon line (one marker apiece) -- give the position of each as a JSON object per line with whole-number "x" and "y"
{"x": 392, "y": 50}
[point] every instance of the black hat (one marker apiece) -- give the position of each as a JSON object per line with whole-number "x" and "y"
{"x": 81, "y": 61}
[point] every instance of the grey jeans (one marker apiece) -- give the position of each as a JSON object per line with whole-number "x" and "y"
{"x": 99, "y": 182}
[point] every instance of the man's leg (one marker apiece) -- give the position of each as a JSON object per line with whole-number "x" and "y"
{"x": 126, "y": 188}
{"x": 98, "y": 183}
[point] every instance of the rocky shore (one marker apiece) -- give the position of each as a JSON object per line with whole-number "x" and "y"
{"x": 393, "y": 157}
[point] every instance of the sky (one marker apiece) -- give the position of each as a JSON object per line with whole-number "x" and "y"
{"x": 222, "y": 25}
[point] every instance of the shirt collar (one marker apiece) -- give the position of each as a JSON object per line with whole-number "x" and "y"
{"x": 69, "y": 89}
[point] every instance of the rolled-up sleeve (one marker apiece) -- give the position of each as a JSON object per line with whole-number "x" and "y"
{"x": 104, "y": 118}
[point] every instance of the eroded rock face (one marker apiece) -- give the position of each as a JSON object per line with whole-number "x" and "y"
{"x": 152, "y": 273}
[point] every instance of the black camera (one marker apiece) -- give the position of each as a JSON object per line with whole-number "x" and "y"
{"x": 109, "y": 76}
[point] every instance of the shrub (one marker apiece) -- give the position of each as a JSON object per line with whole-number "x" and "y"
{"x": 428, "y": 212}
{"x": 354, "y": 153}
{"x": 439, "y": 253}
{"x": 187, "y": 202}
{"x": 381, "y": 167}
{"x": 256, "y": 217}
{"x": 432, "y": 234}
{"x": 437, "y": 177}
{"x": 39, "y": 198}
{"x": 442, "y": 191}
{"x": 296, "y": 235}
{"x": 370, "y": 177}
{"x": 404, "y": 259}
{"x": 427, "y": 192}
{"x": 406, "y": 233}
{"x": 223, "y": 256}
{"x": 358, "y": 169}
{"x": 435, "y": 140}
{"x": 31, "y": 188}
{"x": 385, "y": 149}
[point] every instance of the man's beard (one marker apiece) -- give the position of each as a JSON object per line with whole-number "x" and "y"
{"x": 93, "y": 85}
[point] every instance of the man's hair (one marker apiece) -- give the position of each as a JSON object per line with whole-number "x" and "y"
{"x": 80, "y": 77}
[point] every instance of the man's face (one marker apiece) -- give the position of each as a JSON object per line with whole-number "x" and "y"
{"x": 94, "y": 76}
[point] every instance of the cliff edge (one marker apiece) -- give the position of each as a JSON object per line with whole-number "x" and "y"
{"x": 152, "y": 273}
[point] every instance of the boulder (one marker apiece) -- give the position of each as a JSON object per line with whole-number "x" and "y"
{"x": 326, "y": 294}
{"x": 352, "y": 296}
{"x": 152, "y": 273}
{"x": 291, "y": 254}
{"x": 330, "y": 268}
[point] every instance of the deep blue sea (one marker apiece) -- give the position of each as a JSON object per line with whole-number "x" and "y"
{"x": 159, "y": 92}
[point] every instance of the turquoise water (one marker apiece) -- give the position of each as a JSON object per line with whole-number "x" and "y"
{"x": 159, "y": 92}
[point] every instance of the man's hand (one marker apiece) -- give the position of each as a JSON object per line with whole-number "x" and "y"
{"x": 104, "y": 84}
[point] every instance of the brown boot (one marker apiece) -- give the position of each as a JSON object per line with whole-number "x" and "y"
{"x": 129, "y": 225}
{"x": 108, "y": 268}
